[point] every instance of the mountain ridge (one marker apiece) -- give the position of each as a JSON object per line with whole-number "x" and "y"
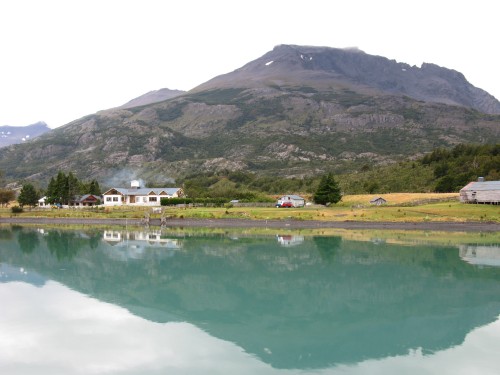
{"x": 430, "y": 82}
{"x": 295, "y": 111}
{"x": 151, "y": 97}
{"x": 18, "y": 134}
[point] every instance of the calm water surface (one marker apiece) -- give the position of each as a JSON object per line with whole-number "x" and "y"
{"x": 151, "y": 302}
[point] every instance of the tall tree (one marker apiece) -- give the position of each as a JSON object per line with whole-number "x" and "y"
{"x": 94, "y": 188}
{"x": 62, "y": 188}
{"x": 328, "y": 191}
{"x": 51, "y": 193}
{"x": 28, "y": 196}
{"x": 73, "y": 186}
{"x": 6, "y": 195}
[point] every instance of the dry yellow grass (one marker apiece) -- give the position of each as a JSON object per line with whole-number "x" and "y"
{"x": 397, "y": 198}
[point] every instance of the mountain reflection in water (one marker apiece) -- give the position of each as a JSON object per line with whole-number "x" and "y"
{"x": 322, "y": 302}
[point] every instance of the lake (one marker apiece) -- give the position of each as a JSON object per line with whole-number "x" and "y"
{"x": 140, "y": 301}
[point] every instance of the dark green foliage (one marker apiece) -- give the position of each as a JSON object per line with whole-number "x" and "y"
{"x": 304, "y": 89}
{"x": 16, "y": 209}
{"x": 398, "y": 177}
{"x": 328, "y": 247}
{"x": 65, "y": 245}
{"x": 6, "y": 195}
{"x": 172, "y": 112}
{"x": 217, "y": 202}
{"x": 464, "y": 163}
{"x": 410, "y": 113}
{"x": 245, "y": 186}
{"x": 28, "y": 196}
{"x": 328, "y": 191}
{"x": 28, "y": 241}
{"x": 94, "y": 188}
{"x": 63, "y": 189}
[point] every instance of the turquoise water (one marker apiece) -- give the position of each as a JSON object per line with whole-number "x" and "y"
{"x": 151, "y": 302}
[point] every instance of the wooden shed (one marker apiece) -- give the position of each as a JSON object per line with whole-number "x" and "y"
{"x": 485, "y": 192}
{"x": 378, "y": 201}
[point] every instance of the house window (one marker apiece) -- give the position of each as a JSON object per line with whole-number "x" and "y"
{"x": 108, "y": 199}
{"x": 145, "y": 199}
{"x": 153, "y": 199}
{"x": 115, "y": 199}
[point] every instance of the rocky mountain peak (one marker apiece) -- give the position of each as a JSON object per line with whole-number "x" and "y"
{"x": 325, "y": 68}
{"x": 18, "y": 134}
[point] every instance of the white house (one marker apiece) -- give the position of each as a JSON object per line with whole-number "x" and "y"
{"x": 481, "y": 192}
{"x": 137, "y": 196}
{"x": 295, "y": 200}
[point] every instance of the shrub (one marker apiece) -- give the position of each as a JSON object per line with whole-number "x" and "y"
{"x": 16, "y": 209}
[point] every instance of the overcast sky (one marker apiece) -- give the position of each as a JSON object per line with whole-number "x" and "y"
{"x": 64, "y": 59}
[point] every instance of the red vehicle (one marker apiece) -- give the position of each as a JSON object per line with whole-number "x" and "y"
{"x": 286, "y": 205}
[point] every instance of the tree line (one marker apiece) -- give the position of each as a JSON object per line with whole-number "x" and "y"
{"x": 62, "y": 190}
{"x": 442, "y": 170}
{"x": 455, "y": 168}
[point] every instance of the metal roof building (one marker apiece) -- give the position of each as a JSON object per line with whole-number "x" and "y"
{"x": 487, "y": 192}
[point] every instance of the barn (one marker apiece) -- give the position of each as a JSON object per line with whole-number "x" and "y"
{"x": 480, "y": 191}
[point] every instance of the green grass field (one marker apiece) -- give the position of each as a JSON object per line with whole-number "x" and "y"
{"x": 400, "y": 208}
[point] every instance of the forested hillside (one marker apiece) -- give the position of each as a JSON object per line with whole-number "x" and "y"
{"x": 442, "y": 170}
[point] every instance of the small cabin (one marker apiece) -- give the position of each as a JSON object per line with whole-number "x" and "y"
{"x": 378, "y": 201}
{"x": 480, "y": 191}
{"x": 42, "y": 202}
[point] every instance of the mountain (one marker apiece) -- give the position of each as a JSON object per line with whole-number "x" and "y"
{"x": 323, "y": 67}
{"x": 18, "y": 134}
{"x": 294, "y": 111}
{"x": 154, "y": 96}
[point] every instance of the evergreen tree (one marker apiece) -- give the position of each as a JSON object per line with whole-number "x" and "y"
{"x": 28, "y": 196}
{"x": 94, "y": 188}
{"x": 328, "y": 191}
{"x": 74, "y": 186}
{"x": 51, "y": 193}
{"x": 62, "y": 188}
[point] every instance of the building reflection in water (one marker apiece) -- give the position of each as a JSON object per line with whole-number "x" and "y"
{"x": 481, "y": 255}
{"x": 289, "y": 240}
{"x": 134, "y": 245}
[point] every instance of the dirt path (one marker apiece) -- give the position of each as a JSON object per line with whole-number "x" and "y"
{"x": 242, "y": 223}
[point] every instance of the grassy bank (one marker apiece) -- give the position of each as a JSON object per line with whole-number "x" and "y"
{"x": 402, "y": 207}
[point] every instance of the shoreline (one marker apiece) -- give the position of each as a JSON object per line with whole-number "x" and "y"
{"x": 282, "y": 224}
